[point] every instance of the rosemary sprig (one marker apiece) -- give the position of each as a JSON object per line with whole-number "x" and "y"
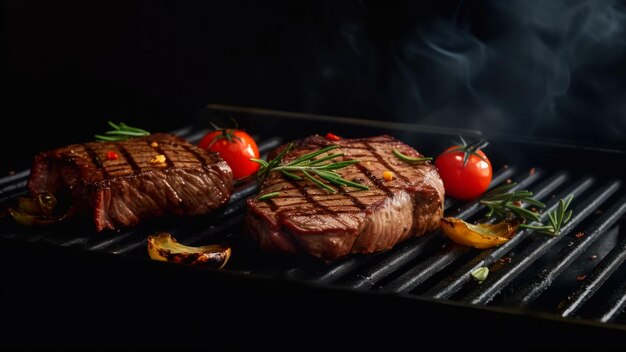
{"x": 469, "y": 149}
{"x": 556, "y": 219}
{"x": 268, "y": 196}
{"x": 314, "y": 170}
{"x": 121, "y": 132}
{"x": 503, "y": 203}
{"x": 410, "y": 159}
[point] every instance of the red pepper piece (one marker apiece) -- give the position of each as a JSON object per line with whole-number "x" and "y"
{"x": 111, "y": 155}
{"x": 332, "y": 137}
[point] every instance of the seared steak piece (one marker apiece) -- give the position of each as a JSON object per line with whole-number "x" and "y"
{"x": 305, "y": 219}
{"x": 121, "y": 183}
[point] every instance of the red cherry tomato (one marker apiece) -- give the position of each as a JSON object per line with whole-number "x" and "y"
{"x": 464, "y": 182}
{"x": 236, "y": 147}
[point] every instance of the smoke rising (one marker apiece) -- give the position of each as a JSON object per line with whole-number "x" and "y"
{"x": 554, "y": 69}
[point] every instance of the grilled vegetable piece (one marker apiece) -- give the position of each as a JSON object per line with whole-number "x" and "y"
{"x": 40, "y": 204}
{"x": 38, "y": 210}
{"x": 465, "y": 169}
{"x": 165, "y": 248}
{"x": 236, "y": 147}
{"x": 480, "y": 235}
{"x": 28, "y": 219}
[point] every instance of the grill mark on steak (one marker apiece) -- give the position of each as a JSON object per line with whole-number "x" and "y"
{"x": 95, "y": 159}
{"x": 386, "y": 164}
{"x": 159, "y": 150}
{"x": 354, "y": 200}
{"x": 195, "y": 154}
{"x": 380, "y": 183}
{"x": 128, "y": 157}
{"x": 273, "y": 206}
{"x": 309, "y": 198}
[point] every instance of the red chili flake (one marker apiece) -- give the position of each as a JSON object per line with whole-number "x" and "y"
{"x": 111, "y": 155}
{"x": 581, "y": 277}
{"x": 332, "y": 137}
{"x": 593, "y": 257}
{"x": 579, "y": 235}
{"x": 505, "y": 260}
{"x": 532, "y": 171}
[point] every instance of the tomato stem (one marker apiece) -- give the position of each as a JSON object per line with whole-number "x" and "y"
{"x": 469, "y": 149}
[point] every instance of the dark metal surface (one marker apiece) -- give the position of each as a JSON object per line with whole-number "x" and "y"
{"x": 530, "y": 270}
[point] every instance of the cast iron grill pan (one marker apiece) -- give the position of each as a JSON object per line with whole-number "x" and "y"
{"x": 575, "y": 279}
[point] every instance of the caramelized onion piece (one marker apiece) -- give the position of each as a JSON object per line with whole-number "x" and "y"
{"x": 165, "y": 248}
{"x": 39, "y": 204}
{"x": 38, "y": 210}
{"x": 480, "y": 235}
{"x": 27, "y": 219}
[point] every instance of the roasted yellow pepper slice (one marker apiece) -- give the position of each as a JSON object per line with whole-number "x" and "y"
{"x": 165, "y": 248}
{"x": 480, "y": 235}
{"x": 38, "y": 209}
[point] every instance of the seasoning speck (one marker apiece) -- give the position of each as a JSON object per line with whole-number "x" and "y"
{"x": 154, "y": 144}
{"x": 388, "y": 175}
{"x": 159, "y": 159}
{"x": 579, "y": 235}
{"x": 508, "y": 181}
{"x": 532, "y": 171}
{"x": 593, "y": 257}
{"x": 581, "y": 277}
{"x": 505, "y": 260}
{"x": 505, "y": 166}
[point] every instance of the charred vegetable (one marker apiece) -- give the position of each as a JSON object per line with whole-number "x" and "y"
{"x": 165, "y": 248}
{"x": 479, "y": 235}
{"x": 38, "y": 209}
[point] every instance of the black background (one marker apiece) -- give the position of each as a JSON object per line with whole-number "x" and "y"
{"x": 544, "y": 69}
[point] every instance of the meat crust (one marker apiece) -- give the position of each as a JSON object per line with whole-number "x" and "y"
{"x": 307, "y": 220}
{"x": 123, "y": 191}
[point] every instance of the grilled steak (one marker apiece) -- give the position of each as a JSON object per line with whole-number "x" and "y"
{"x": 121, "y": 183}
{"x": 305, "y": 219}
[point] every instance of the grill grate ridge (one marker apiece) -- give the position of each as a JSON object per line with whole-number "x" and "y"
{"x": 419, "y": 264}
{"x": 423, "y": 271}
{"x": 549, "y": 272}
{"x": 494, "y": 283}
{"x": 594, "y": 280}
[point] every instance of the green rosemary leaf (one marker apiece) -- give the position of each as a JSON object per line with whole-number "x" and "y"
{"x": 409, "y": 159}
{"x": 312, "y": 155}
{"x": 310, "y": 168}
{"x": 268, "y": 196}
{"x": 121, "y": 132}
{"x": 318, "y": 182}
